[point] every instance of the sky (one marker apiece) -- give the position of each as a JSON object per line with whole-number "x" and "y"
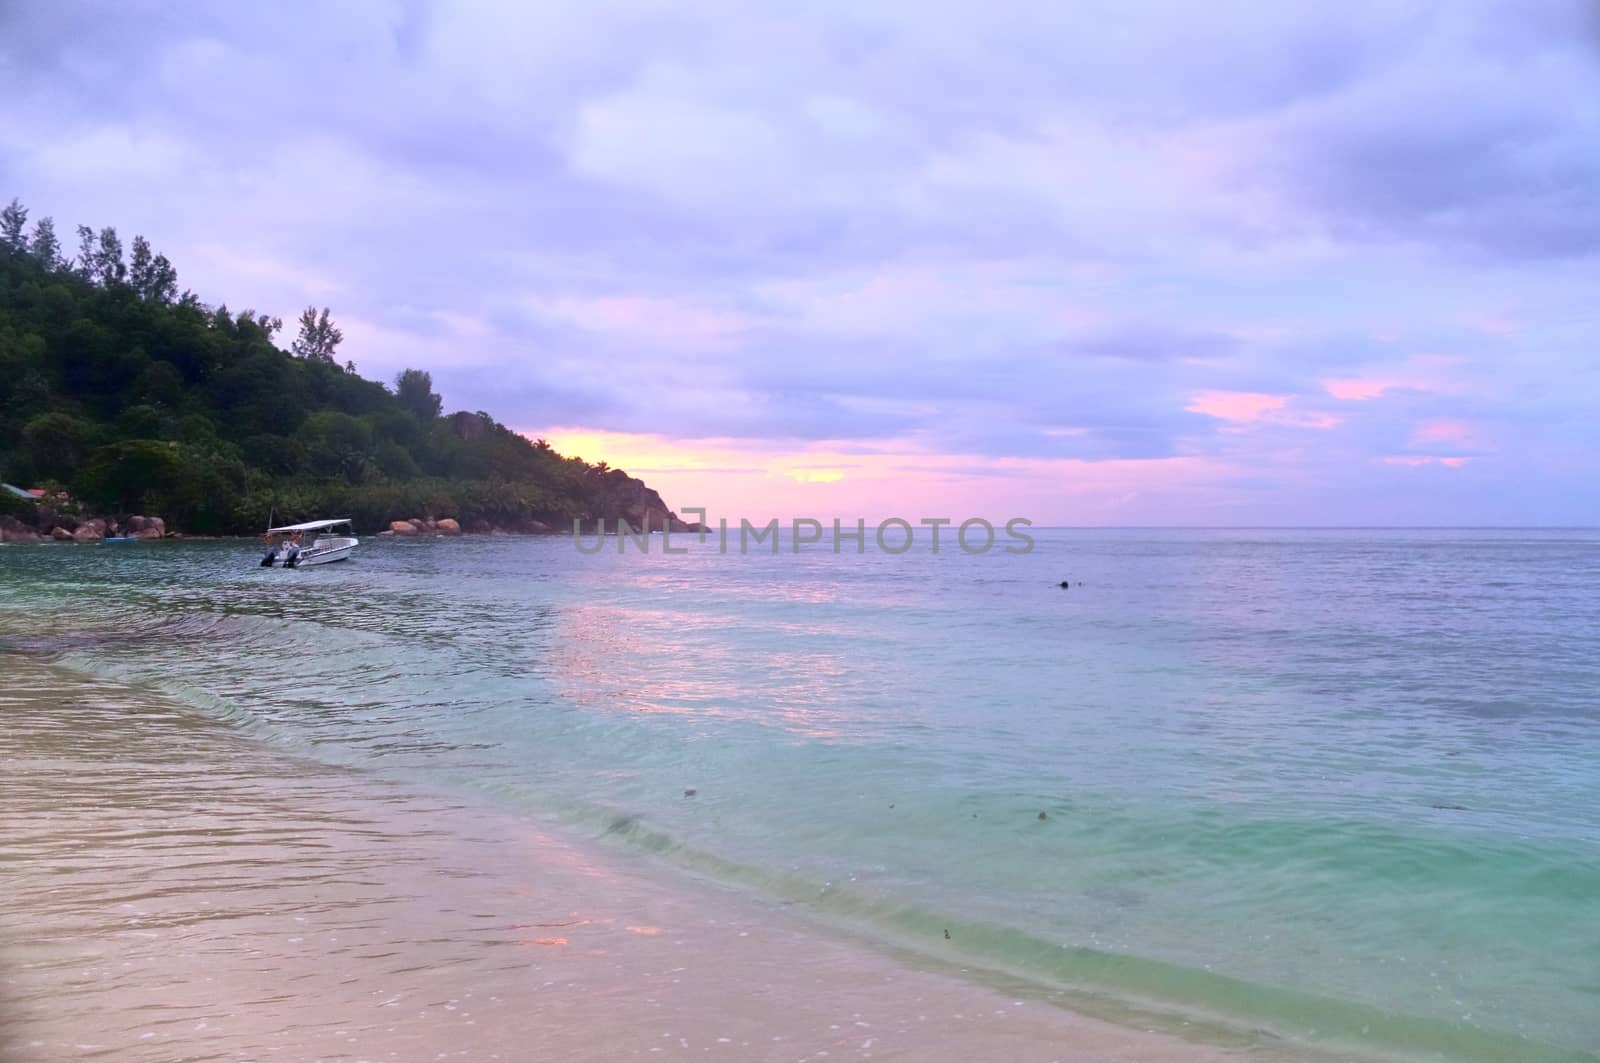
{"x": 1099, "y": 263}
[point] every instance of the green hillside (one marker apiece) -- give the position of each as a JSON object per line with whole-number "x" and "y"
{"x": 135, "y": 397}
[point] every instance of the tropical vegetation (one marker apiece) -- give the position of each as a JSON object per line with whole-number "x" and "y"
{"x": 134, "y": 396}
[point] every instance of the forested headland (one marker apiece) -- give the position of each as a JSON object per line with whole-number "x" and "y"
{"x": 129, "y": 395}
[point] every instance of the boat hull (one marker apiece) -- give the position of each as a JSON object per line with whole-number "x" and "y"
{"x": 314, "y": 555}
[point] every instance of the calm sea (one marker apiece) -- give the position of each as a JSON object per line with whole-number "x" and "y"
{"x": 1340, "y": 784}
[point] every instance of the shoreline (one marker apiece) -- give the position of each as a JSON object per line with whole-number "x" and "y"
{"x": 512, "y": 717}
{"x": 176, "y": 886}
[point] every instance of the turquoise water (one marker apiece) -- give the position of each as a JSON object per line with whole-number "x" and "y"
{"x": 1343, "y": 785}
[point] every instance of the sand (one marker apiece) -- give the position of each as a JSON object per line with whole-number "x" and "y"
{"x": 176, "y": 890}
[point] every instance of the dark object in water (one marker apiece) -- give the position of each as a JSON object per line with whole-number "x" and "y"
{"x": 1066, "y": 584}
{"x": 690, "y": 792}
{"x": 291, "y": 557}
{"x": 947, "y": 935}
{"x": 1043, "y": 816}
{"x": 1451, "y": 808}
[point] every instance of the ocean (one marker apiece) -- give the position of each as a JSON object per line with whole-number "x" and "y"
{"x": 1342, "y": 786}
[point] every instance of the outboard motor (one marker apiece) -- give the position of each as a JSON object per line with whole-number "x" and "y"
{"x": 266, "y": 562}
{"x": 291, "y": 558}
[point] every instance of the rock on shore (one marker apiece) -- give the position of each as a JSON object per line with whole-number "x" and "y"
{"x": 89, "y": 530}
{"x": 13, "y": 530}
{"x": 425, "y": 526}
{"x": 451, "y": 527}
{"x": 67, "y": 528}
{"x": 146, "y": 527}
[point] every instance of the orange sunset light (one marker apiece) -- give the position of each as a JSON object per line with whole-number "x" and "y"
{"x": 726, "y": 475}
{"x": 825, "y": 479}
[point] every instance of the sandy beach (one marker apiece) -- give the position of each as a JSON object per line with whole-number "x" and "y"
{"x": 177, "y": 891}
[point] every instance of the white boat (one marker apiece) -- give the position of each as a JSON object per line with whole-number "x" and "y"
{"x": 291, "y": 549}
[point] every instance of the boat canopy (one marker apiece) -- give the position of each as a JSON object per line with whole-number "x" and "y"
{"x": 310, "y": 525}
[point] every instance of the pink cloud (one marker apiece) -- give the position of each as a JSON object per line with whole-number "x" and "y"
{"x": 1417, "y": 460}
{"x": 1359, "y": 389}
{"x": 1437, "y": 373}
{"x": 1249, "y": 407}
{"x": 1236, "y": 405}
{"x": 1442, "y": 430}
{"x": 1312, "y": 420}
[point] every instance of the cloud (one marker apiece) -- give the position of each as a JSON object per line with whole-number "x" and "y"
{"x": 1443, "y": 430}
{"x": 1280, "y": 242}
{"x": 1419, "y": 460}
{"x": 1359, "y": 389}
{"x": 1245, "y": 408}
{"x": 1236, "y": 405}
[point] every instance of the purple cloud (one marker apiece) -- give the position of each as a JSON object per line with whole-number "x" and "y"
{"x": 998, "y": 233}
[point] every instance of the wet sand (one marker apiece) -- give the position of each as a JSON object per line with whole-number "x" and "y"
{"x": 176, "y": 891}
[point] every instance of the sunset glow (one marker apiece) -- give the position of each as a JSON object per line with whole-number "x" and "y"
{"x": 1198, "y": 281}
{"x": 897, "y": 478}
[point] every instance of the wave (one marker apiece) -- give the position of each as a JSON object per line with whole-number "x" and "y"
{"x": 454, "y": 687}
{"x": 1114, "y": 986}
